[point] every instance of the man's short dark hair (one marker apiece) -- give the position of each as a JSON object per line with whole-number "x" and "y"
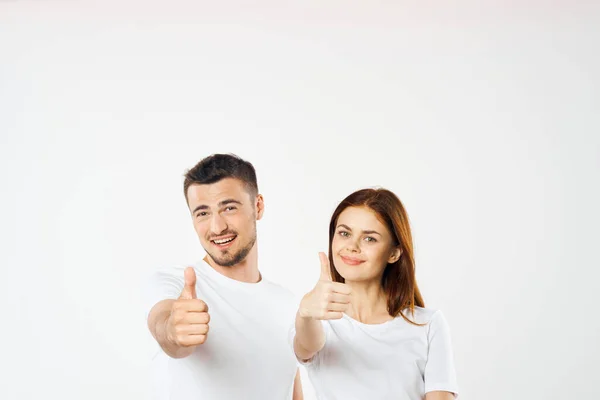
{"x": 220, "y": 166}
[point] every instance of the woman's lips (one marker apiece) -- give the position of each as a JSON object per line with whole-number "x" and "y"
{"x": 351, "y": 260}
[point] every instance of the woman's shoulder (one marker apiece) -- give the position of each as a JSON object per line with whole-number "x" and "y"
{"x": 423, "y": 315}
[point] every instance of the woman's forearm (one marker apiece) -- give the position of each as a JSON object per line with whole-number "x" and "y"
{"x": 310, "y": 337}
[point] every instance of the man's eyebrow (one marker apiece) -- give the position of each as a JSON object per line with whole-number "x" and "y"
{"x": 367, "y": 232}
{"x": 229, "y": 201}
{"x": 200, "y": 207}
{"x": 220, "y": 204}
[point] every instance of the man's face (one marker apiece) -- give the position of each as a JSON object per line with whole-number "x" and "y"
{"x": 224, "y": 216}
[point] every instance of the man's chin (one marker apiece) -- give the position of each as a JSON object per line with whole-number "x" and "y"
{"x": 225, "y": 263}
{"x": 222, "y": 262}
{"x": 228, "y": 259}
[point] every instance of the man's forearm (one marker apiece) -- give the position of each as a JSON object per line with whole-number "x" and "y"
{"x": 157, "y": 323}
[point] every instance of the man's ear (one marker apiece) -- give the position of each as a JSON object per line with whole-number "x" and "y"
{"x": 260, "y": 206}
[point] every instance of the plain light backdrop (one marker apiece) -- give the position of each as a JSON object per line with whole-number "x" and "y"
{"x": 484, "y": 119}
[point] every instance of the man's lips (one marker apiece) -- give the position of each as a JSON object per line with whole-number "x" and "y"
{"x": 222, "y": 241}
{"x": 352, "y": 260}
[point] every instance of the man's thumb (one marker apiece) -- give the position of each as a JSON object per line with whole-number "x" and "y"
{"x": 325, "y": 269}
{"x": 189, "y": 287}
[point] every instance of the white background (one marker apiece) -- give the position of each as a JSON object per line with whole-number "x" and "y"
{"x": 482, "y": 118}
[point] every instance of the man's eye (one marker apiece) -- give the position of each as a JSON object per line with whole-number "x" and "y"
{"x": 230, "y": 208}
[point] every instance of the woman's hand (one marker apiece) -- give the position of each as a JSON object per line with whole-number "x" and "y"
{"x": 328, "y": 299}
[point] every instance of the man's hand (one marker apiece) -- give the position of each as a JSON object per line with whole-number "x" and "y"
{"x": 187, "y": 325}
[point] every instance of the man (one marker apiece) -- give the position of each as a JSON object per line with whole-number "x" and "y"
{"x": 223, "y": 328}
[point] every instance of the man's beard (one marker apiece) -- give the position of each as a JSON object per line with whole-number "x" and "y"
{"x": 229, "y": 260}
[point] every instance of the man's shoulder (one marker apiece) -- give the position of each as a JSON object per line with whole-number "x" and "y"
{"x": 168, "y": 272}
{"x": 277, "y": 289}
{"x": 280, "y": 292}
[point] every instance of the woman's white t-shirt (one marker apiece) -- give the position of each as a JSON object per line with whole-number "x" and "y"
{"x": 393, "y": 360}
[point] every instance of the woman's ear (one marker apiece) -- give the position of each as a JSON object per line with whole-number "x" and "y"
{"x": 395, "y": 255}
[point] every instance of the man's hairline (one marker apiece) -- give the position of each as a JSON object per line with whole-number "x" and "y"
{"x": 248, "y": 188}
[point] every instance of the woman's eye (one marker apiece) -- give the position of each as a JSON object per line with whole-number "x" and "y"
{"x": 370, "y": 239}
{"x": 344, "y": 233}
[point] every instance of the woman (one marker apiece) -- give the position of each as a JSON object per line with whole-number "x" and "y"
{"x": 363, "y": 331}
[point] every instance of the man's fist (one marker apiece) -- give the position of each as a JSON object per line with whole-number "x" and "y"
{"x": 187, "y": 325}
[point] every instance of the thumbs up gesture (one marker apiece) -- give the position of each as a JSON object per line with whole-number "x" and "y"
{"x": 328, "y": 299}
{"x": 187, "y": 325}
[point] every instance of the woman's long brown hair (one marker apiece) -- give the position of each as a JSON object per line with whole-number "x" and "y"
{"x": 398, "y": 280}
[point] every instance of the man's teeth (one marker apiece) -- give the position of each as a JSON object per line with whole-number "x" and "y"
{"x": 222, "y": 241}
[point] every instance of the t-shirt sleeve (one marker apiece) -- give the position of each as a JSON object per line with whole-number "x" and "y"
{"x": 440, "y": 374}
{"x": 162, "y": 285}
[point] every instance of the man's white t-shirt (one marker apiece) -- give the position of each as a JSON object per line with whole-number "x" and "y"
{"x": 246, "y": 354}
{"x": 393, "y": 360}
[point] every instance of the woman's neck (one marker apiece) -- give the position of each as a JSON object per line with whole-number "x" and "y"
{"x": 368, "y": 302}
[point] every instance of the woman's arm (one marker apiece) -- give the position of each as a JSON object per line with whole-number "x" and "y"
{"x": 439, "y": 396}
{"x": 327, "y": 300}
{"x": 309, "y": 339}
{"x": 440, "y": 375}
{"x": 297, "y": 387}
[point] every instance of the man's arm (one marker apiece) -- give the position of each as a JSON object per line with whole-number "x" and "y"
{"x": 157, "y": 323}
{"x": 180, "y": 325}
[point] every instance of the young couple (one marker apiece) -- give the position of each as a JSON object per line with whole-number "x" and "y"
{"x": 362, "y": 332}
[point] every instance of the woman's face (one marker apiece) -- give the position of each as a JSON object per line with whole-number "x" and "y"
{"x": 362, "y": 245}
